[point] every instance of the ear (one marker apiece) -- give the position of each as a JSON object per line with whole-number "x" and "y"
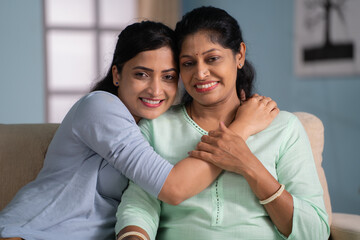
{"x": 240, "y": 56}
{"x": 115, "y": 75}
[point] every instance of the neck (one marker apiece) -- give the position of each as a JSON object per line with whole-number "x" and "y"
{"x": 208, "y": 117}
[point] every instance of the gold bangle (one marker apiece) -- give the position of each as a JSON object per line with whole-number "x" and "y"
{"x": 133, "y": 233}
{"x": 274, "y": 196}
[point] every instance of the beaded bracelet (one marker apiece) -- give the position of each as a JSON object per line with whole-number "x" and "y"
{"x": 133, "y": 233}
{"x": 274, "y": 196}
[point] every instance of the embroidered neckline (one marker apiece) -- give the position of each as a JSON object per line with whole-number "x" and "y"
{"x": 192, "y": 123}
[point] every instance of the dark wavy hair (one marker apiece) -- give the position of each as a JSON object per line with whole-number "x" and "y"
{"x": 224, "y": 30}
{"x": 136, "y": 38}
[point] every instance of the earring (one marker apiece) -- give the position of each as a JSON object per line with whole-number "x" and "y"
{"x": 240, "y": 65}
{"x": 116, "y": 83}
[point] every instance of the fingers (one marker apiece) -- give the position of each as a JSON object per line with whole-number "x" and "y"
{"x": 206, "y": 152}
{"x": 271, "y": 105}
{"x": 275, "y": 112}
{"x": 210, "y": 139}
{"x": 201, "y": 155}
{"x": 267, "y": 101}
{"x": 220, "y": 131}
{"x": 223, "y": 128}
{"x": 242, "y": 95}
{"x": 205, "y": 147}
{"x": 219, "y": 141}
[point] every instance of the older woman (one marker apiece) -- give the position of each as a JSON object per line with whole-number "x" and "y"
{"x": 270, "y": 189}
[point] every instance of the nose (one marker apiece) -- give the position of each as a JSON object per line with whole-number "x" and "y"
{"x": 155, "y": 88}
{"x": 202, "y": 71}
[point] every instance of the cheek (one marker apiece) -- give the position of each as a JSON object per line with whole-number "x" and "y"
{"x": 185, "y": 77}
{"x": 172, "y": 90}
{"x": 133, "y": 88}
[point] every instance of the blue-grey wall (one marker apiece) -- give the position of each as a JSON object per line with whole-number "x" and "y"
{"x": 21, "y": 62}
{"x": 268, "y": 31}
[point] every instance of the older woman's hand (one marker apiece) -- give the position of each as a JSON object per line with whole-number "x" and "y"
{"x": 225, "y": 149}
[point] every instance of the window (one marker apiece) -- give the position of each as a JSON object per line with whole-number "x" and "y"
{"x": 80, "y": 38}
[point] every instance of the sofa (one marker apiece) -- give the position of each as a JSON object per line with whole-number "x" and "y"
{"x": 23, "y": 148}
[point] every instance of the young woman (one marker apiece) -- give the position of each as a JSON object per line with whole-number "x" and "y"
{"x": 270, "y": 189}
{"x": 98, "y": 147}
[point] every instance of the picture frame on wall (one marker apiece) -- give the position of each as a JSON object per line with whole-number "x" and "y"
{"x": 327, "y": 38}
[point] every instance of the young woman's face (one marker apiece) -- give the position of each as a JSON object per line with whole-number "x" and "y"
{"x": 209, "y": 70}
{"x": 148, "y": 83}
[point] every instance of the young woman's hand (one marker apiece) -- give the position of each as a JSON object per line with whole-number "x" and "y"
{"x": 254, "y": 115}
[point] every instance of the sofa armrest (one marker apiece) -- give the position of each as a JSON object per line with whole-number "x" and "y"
{"x": 345, "y": 227}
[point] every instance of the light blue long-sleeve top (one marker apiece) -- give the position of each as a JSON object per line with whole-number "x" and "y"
{"x": 228, "y": 209}
{"x": 97, "y": 147}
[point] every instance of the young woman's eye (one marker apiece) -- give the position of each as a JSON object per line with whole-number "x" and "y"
{"x": 170, "y": 77}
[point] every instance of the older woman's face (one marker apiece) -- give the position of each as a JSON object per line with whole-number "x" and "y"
{"x": 148, "y": 83}
{"x": 209, "y": 70}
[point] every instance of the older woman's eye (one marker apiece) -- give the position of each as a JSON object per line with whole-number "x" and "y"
{"x": 187, "y": 64}
{"x": 213, "y": 59}
{"x": 141, "y": 74}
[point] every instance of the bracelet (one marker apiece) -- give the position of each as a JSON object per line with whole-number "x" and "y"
{"x": 274, "y": 196}
{"x": 133, "y": 233}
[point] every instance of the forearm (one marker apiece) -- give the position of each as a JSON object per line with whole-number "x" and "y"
{"x": 188, "y": 177}
{"x": 264, "y": 185}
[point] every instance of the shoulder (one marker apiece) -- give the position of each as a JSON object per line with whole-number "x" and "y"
{"x": 284, "y": 120}
{"x": 285, "y": 117}
{"x": 99, "y": 107}
{"x": 283, "y": 123}
{"x": 101, "y": 104}
{"x": 100, "y": 99}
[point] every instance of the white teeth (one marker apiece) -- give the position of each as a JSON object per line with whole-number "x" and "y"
{"x": 150, "y": 101}
{"x": 202, "y": 86}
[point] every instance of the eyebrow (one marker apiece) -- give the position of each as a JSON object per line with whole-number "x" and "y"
{"x": 207, "y": 51}
{"x": 151, "y": 70}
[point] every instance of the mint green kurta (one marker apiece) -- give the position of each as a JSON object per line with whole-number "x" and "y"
{"x": 228, "y": 209}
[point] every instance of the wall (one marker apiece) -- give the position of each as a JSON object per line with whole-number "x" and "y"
{"x": 21, "y": 62}
{"x": 268, "y": 31}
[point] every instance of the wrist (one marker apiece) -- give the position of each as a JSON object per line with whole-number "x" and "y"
{"x": 239, "y": 129}
{"x": 132, "y": 235}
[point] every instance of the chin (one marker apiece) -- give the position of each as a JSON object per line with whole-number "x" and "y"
{"x": 152, "y": 116}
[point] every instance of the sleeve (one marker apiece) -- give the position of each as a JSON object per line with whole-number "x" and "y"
{"x": 137, "y": 208}
{"x": 104, "y": 124}
{"x": 296, "y": 169}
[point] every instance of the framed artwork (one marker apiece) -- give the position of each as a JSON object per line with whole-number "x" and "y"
{"x": 327, "y": 38}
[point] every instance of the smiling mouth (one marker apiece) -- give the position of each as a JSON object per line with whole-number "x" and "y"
{"x": 206, "y": 87}
{"x": 151, "y": 102}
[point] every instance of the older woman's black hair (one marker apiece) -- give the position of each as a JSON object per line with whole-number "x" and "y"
{"x": 136, "y": 38}
{"x": 224, "y": 30}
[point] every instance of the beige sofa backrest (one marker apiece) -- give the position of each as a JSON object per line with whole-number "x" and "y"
{"x": 23, "y": 148}
{"x": 315, "y": 131}
{"x": 22, "y": 152}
